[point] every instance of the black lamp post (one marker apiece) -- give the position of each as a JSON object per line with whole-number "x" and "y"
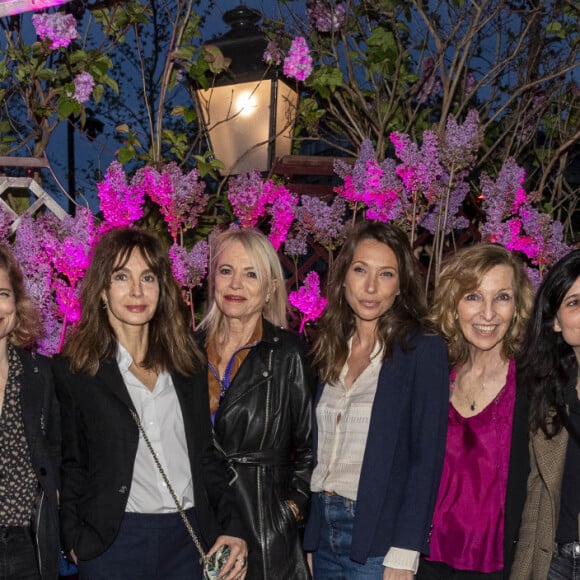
{"x": 249, "y": 111}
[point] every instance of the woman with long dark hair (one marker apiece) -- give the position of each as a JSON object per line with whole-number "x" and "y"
{"x": 549, "y": 545}
{"x": 133, "y": 360}
{"x": 379, "y": 434}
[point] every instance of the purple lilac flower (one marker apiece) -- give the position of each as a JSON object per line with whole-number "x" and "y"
{"x": 296, "y": 243}
{"x": 325, "y": 223}
{"x": 6, "y": 221}
{"x": 121, "y": 204}
{"x": 245, "y": 194}
{"x": 84, "y": 83}
{"x": 430, "y": 83}
{"x": 469, "y": 83}
{"x": 461, "y": 142}
{"x": 298, "y": 63}
{"x": 59, "y": 28}
{"x": 326, "y": 16}
{"x": 189, "y": 268}
{"x": 273, "y": 54}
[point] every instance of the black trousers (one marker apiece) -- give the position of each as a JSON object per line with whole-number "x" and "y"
{"x": 439, "y": 571}
{"x": 148, "y": 547}
{"x": 17, "y": 554}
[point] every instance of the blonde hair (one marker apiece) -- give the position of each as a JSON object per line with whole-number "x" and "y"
{"x": 463, "y": 272}
{"x": 268, "y": 270}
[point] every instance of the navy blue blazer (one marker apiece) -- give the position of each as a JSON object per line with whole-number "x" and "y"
{"x": 404, "y": 454}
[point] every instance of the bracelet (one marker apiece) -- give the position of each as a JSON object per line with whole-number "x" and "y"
{"x": 295, "y": 510}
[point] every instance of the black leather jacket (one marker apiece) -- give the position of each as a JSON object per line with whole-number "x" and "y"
{"x": 264, "y": 426}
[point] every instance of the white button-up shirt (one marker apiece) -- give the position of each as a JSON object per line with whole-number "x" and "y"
{"x": 161, "y": 417}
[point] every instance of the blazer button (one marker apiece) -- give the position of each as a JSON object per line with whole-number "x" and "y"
{"x": 123, "y": 490}
{"x": 265, "y": 374}
{"x": 42, "y": 471}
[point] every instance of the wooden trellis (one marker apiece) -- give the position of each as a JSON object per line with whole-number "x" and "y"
{"x": 43, "y": 198}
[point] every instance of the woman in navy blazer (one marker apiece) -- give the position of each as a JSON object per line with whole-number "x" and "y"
{"x": 379, "y": 433}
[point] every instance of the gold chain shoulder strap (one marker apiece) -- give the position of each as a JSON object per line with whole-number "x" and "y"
{"x": 164, "y": 476}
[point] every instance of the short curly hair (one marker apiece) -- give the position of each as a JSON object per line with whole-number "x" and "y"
{"x": 462, "y": 272}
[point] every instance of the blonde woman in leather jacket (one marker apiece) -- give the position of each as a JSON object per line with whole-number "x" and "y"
{"x": 260, "y": 398}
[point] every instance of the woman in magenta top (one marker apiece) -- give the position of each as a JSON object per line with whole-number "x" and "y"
{"x": 482, "y": 301}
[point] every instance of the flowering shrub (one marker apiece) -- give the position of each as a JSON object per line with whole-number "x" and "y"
{"x": 422, "y": 189}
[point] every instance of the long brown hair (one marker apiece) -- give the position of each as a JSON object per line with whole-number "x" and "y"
{"x": 28, "y": 328}
{"x": 405, "y": 316}
{"x": 171, "y": 345}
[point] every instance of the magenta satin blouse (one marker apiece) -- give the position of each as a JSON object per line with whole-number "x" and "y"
{"x": 468, "y": 524}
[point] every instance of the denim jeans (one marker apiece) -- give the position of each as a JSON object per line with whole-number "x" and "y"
{"x": 17, "y": 555}
{"x": 332, "y": 559}
{"x": 565, "y": 562}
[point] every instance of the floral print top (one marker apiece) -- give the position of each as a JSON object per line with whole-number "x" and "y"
{"x": 18, "y": 483}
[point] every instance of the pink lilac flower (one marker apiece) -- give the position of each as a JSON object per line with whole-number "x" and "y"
{"x": 273, "y": 54}
{"x": 326, "y": 16}
{"x": 282, "y": 209}
{"x": 181, "y": 197}
{"x": 499, "y": 196}
{"x": 59, "y": 28}
{"x": 121, "y": 204}
{"x": 84, "y": 83}
{"x": 308, "y": 300}
{"x": 298, "y": 63}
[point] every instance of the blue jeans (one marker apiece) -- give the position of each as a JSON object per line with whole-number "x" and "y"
{"x": 565, "y": 562}
{"x": 17, "y": 554}
{"x": 332, "y": 559}
{"x": 148, "y": 547}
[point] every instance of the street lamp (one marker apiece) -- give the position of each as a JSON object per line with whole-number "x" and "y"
{"x": 249, "y": 111}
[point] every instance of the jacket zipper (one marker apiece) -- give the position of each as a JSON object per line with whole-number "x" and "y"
{"x": 261, "y": 468}
{"x": 37, "y": 542}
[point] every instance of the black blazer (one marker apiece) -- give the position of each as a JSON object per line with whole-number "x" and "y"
{"x": 100, "y": 441}
{"x": 40, "y": 415}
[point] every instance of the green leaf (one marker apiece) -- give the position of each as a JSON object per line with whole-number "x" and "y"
{"x": 98, "y": 91}
{"x": 67, "y": 106}
{"x": 126, "y": 154}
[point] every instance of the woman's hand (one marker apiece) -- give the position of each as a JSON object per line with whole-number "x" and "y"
{"x": 237, "y": 564}
{"x": 73, "y": 557}
{"x": 396, "y": 574}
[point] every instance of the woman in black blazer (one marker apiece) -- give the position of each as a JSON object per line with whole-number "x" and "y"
{"x": 29, "y": 438}
{"x": 133, "y": 352}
